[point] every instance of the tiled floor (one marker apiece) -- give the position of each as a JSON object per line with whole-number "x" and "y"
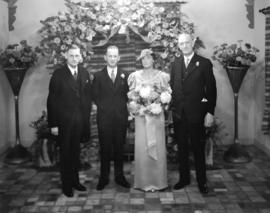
{"x": 235, "y": 188}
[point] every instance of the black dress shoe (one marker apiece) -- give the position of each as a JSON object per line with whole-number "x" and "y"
{"x": 204, "y": 188}
{"x": 101, "y": 185}
{"x": 180, "y": 185}
{"x": 68, "y": 192}
{"x": 122, "y": 182}
{"x": 79, "y": 187}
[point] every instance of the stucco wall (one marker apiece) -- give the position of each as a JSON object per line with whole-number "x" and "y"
{"x": 216, "y": 21}
{"x": 4, "y": 87}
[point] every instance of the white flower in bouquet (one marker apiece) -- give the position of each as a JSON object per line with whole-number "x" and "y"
{"x": 133, "y": 106}
{"x": 153, "y": 95}
{"x": 145, "y": 92}
{"x": 142, "y": 110}
{"x": 165, "y": 97}
{"x": 133, "y": 95}
{"x": 138, "y": 88}
{"x": 155, "y": 108}
{"x": 149, "y": 99}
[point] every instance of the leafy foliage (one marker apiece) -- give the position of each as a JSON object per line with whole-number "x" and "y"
{"x": 235, "y": 54}
{"x": 19, "y": 55}
{"x": 89, "y": 24}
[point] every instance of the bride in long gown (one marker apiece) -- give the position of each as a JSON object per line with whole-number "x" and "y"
{"x": 149, "y": 93}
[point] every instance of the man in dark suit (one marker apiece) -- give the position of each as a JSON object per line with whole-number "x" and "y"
{"x": 110, "y": 95}
{"x": 69, "y": 106}
{"x": 193, "y": 103}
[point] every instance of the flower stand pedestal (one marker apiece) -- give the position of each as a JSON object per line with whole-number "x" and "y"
{"x": 17, "y": 154}
{"x": 236, "y": 152}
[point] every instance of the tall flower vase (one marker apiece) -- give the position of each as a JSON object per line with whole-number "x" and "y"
{"x": 17, "y": 154}
{"x": 236, "y": 152}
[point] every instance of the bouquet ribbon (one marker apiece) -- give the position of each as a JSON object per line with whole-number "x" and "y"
{"x": 151, "y": 141}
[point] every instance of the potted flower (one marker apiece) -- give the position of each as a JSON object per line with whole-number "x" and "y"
{"x": 236, "y": 59}
{"x": 235, "y": 55}
{"x": 19, "y": 55}
{"x": 15, "y": 60}
{"x": 44, "y": 150}
{"x": 213, "y": 137}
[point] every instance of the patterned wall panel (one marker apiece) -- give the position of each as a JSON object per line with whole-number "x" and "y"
{"x": 266, "y": 117}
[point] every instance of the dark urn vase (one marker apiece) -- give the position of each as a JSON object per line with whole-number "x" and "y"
{"x": 236, "y": 152}
{"x": 17, "y": 154}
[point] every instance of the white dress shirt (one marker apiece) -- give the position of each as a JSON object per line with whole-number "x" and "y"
{"x": 109, "y": 69}
{"x": 187, "y": 59}
{"x": 73, "y": 70}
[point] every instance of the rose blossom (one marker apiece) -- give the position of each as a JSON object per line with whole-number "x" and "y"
{"x": 145, "y": 92}
{"x": 155, "y": 108}
{"x": 165, "y": 97}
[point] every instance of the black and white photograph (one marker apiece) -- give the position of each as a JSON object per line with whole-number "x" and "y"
{"x": 146, "y": 106}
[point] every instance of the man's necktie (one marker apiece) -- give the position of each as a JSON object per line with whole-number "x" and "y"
{"x": 113, "y": 75}
{"x": 75, "y": 75}
{"x": 186, "y": 62}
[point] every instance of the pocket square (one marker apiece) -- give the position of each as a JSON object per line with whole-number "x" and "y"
{"x": 204, "y": 100}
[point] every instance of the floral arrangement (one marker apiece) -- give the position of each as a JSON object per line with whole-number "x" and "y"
{"x": 214, "y": 134}
{"x": 44, "y": 140}
{"x": 89, "y": 24}
{"x": 235, "y": 54}
{"x": 45, "y": 145}
{"x": 148, "y": 100}
{"x": 19, "y": 55}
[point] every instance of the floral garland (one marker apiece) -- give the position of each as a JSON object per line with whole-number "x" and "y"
{"x": 86, "y": 20}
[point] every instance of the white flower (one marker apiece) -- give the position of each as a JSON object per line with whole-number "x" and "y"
{"x": 133, "y": 106}
{"x": 57, "y": 40}
{"x": 197, "y": 63}
{"x": 155, "y": 108}
{"x": 122, "y": 75}
{"x": 89, "y": 37}
{"x": 165, "y": 97}
{"x": 138, "y": 88}
{"x": 132, "y": 95}
{"x": 142, "y": 110}
{"x": 62, "y": 16}
{"x": 106, "y": 27}
{"x": 145, "y": 92}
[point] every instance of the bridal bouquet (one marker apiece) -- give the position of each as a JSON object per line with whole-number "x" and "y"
{"x": 149, "y": 99}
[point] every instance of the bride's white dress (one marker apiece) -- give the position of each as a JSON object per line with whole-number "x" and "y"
{"x": 150, "y": 165}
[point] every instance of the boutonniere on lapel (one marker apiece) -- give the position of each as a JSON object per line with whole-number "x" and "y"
{"x": 197, "y": 63}
{"x": 122, "y": 77}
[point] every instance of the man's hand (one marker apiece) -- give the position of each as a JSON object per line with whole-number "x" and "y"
{"x": 208, "y": 120}
{"x": 54, "y": 131}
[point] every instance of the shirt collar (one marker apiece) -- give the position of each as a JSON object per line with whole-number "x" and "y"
{"x": 73, "y": 70}
{"x": 109, "y": 69}
{"x": 189, "y": 57}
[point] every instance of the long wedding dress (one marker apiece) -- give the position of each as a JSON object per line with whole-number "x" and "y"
{"x": 150, "y": 162}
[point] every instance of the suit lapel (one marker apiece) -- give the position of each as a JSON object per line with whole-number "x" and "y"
{"x": 117, "y": 81}
{"x": 107, "y": 78}
{"x": 70, "y": 79}
{"x": 82, "y": 79}
{"x": 191, "y": 66}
